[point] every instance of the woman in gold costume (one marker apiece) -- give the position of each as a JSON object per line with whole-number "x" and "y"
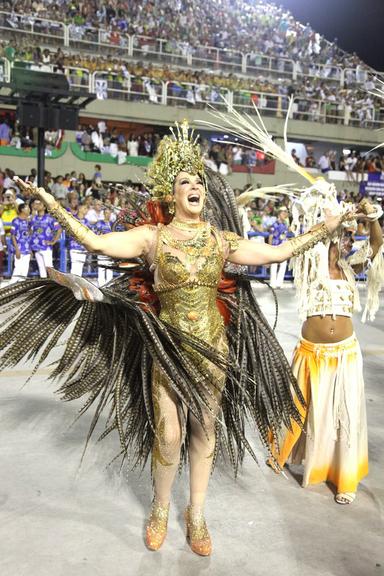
{"x": 180, "y": 383}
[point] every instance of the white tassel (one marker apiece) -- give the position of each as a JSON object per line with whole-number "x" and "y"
{"x": 375, "y": 281}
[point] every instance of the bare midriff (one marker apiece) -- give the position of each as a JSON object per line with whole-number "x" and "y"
{"x": 327, "y": 329}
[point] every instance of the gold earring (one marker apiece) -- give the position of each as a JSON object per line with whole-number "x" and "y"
{"x": 171, "y": 208}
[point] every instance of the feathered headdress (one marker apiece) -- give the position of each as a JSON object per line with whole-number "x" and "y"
{"x": 176, "y": 153}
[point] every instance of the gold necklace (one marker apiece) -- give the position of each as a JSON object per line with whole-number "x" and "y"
{"x": 193, "y": 245}
{"x": 188, "y": 224}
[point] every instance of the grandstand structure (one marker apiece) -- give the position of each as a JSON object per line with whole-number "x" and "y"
{"x": 158, "y": 64}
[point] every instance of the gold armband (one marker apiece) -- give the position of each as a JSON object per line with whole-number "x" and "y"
{"x": 304, "y": 242}
{"x": 232, "y": 239}
{"x": 69, "y": 223}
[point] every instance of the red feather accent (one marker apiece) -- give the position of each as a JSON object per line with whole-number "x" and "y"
{"x": 226, "y": 286}
{"x": 141, "y": 283}
{"x": 224, "y": 311}
{"x": 159, "y": 212}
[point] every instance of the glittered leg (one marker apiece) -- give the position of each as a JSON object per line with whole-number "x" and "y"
{"x": 201, "y": 450}
{"x": 202, "y": 442}
{"x": 203, "y": 439}
{"x": 165, "y": 458}
{"x": 168, "y": 435}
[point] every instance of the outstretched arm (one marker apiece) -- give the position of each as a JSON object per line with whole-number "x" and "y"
{"x": 130, "y": 244}
{"x": 253, "y": 254}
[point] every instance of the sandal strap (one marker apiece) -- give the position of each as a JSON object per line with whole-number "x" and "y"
{"x": 345, "y": 497}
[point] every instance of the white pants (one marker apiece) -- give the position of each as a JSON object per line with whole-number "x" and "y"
{"x": 77, "y": 261}
{"x": 21, "y": 267}
{"x": 103, "y": 274}
{"x": 277, "y": 277}
{"x": 44, "y": 260}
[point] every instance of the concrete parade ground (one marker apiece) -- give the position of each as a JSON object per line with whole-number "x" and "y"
{"x": 60, "y": 518}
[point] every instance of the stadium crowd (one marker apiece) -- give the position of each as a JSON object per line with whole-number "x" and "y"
{"x": 23, "y": 137}
{"x": 225, "y": 157}
{"x": 317, "y": 99}
{"x": 256, "y": 28}
{"x": 250, "y": 26}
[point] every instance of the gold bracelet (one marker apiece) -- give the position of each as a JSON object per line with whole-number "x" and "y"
{"x": 69, "y": 223}
{"x": 304, "y": 242}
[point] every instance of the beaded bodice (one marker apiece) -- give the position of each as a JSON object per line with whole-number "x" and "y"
{"x": 335, "y": 299}
{"x": 187, "y": 274}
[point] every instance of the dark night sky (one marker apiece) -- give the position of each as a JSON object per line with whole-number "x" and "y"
{"x": 357, "y": 24}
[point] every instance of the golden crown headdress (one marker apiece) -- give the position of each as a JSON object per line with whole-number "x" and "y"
{"x": 177, "y": 153}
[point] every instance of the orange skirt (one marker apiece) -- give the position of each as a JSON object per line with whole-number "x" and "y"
{"x": 334, "y": 446}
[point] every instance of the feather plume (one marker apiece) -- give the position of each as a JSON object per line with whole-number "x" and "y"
{"x": 266, "y": 193}
{"x": 252, "y": 130}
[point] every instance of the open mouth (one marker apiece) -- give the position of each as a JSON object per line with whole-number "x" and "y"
{"x": 194, "y": 199}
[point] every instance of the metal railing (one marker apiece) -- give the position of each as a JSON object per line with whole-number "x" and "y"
{"x": 175, "y": 93}
{"x": 112, "y": 43}
{"x": 124, "y": 86}
{"x": 49, "y": 32}
{"x": 132, "y": 88}
{"x": 62, "y": 261}
{"x": 195, "y": 95}
{"x": 321, "y": 71}
{"x": 257, "y": 64}
{"x": 218, "y": 59}
{"x": 98, "y": 40}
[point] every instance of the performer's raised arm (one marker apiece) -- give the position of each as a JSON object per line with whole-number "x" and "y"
{"x": 129, "y": 244}
{"x": 371, "y": 214}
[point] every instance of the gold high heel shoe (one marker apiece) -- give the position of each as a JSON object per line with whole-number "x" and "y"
{"x": 156, "y": 530}
{"x": 197, "y": 533}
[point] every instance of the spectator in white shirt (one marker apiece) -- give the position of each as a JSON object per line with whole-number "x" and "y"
{"x": 59, "y": 190}
{"x": 133, "y": 146}
{"x": 350, "y": 163}
{"x": 324, "y": 163}
{"x": 96, "y": 213}
{"x": 97, "y": 141}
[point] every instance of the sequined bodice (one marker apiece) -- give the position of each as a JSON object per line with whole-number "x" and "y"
{"x": 187, "y": 276}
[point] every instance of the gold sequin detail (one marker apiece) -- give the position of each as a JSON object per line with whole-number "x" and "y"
{"x": 157, "y": 526}
{"x": 159, "y": 386}
{"x": 197, "y": 532}
{"x": 189, "y": 272}
{"x": 232, "y": 239}
{"x": 318, "y": 233}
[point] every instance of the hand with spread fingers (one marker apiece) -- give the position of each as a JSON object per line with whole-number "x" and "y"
{"x": 367, "y": 211}
{"x": 36, "y": 192}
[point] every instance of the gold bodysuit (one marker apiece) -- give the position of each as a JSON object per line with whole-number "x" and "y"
{"x": 187, "y": 275}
